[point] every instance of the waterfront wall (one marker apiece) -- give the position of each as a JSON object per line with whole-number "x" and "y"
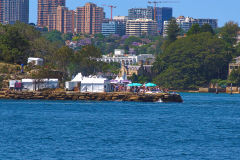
{"x": 212, "y": 90}
{"x": 114, "y": 96}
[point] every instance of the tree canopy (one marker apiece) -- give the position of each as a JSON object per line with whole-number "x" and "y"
{"x": 229, "y": 33}
{"x": 195, "y": 29}
{"x": 172, "y": 30}
{"x": 235, "y": 76}
{"x": 192, "y": 62}
{"x": 207, "y": 28}
{"x": 13, "y": 44}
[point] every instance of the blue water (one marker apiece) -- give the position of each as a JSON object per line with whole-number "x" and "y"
{"x": 205, "y": 126}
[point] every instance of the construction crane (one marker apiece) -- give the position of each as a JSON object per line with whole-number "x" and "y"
{"x": 158, "y": 2}
{"x": 110, "y": 6}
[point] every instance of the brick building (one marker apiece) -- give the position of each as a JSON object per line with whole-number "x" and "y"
{"x": 47, "y": 12}
{"x": 89, "y": 19}
{"x": 14, "y": 10}
{"x": 65, "y": 20}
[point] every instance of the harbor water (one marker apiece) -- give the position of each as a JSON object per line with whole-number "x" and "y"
{"x": 205, "y": 126}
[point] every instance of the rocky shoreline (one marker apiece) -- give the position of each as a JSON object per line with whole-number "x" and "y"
{"x": 112, "y": 96}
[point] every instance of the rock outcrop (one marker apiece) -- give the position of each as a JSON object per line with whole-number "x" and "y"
{"x": 113, "y": 96}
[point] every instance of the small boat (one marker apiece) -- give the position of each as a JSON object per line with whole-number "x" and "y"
{"x": 160, "y": 100}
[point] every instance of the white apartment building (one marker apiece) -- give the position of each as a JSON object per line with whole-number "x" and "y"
{"x": 120, "y": 18}
{"x": 185, "y": 23}
{"x": 120, "y": 57}
{"x": 139, "y": 27}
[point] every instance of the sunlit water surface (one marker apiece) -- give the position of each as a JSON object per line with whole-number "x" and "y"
{"x": 205, "y": 126}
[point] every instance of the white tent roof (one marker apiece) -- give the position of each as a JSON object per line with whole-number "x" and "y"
{"x": 45, "y": 80}
{"x": 27, "y": 80}
{"x": 117, "y": 78}
{"x": 78, "y": 78}
{"x": 51, "y": 80}
{"x": 120, "y": 78}
{"x": 93, "y": 80}
{"x": 34, "y": 59}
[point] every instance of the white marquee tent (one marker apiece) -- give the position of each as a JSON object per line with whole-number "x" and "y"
{"x": 89, "y": 84}
{"x": 33, "y": 84}
{"x": 95, "y": 84}
{"x": 70, "y": 85}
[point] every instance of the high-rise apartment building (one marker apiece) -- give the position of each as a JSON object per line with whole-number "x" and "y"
{"x": 212, "y": 22}
{"x": 161, "y": 15}
{"x": 109, "y": 28}
{"x": 65, "y": 20}
{"x": 139, "y": 27}
{"x": 89, "y": 19}
{"x": 121, "y": 22}
{"x": 14, "y": 10}
{"x": 140, "y": 13}
{"x": 1, "y": 11}
{"x": 47, "y": 12}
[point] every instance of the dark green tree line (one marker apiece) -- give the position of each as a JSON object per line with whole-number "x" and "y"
{"x": 192, "y": 62}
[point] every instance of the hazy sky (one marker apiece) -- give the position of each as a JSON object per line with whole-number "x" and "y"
{"x": 223, "y": 10}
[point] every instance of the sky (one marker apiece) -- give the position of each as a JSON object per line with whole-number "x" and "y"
{"x": 223, "y": 10}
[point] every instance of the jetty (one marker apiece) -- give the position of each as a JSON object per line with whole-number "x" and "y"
{"x": 88, "y": 96}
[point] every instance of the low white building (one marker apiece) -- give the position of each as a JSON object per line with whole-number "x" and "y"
{"x": 119, "y": 57}
{"x": 34, "y": 84}
{"x": 146, "y": 57}
{"x": 130, "y": 59}
{"x": 35, "y": 61}
{"x": 119, "y": 52}
{"x": 95, "y": 84}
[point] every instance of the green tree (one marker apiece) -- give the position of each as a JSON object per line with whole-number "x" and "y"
{"x": 158, "y": 65}
{"x": 63, "y": 57}
{"x": 191, "y": 62}
{"x": 207, "y": 28}
{"x": 54, "y": 36}
{"x": 229, "y": 33}
{"x": 1, "y": 82}
{"x": 67, "y": 36}
{"x": 139, "y": 78}
{"x": 235, "y": 76}
{"x": 195, "y": 29}
{"x": 172, "y": 78}
{"x": 131, "y": 39}
{"x": 158, "y": 44}
{"x": 85, "y": 60}
{"x": 29, "y": 32}
{"x": 134, "y": 78}
{"x": 99, "y": 36}
{"x": 172, "y": 31}
{"x": 237, "y": 50}
{"x": 13, "y": 45}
